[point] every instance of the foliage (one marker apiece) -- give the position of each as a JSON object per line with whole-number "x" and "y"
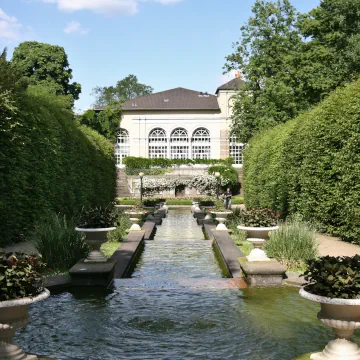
{"x": 228, "y": 174}
{"x": 151, "y": 202}
{"x": 57, "y": 241}
{"x": 334, "y": 277}
{"x": 47, "y": 66}
{"x": 293, "y": 244}
{"x": 207, "y": 202}
{"x": 123, "y": 224}
{"x": 292, "y": 61}
{"x": 154, "y": 166}
{"x": 98, "y": 217}
{"x": 310, "y": 166}
{"x": 127, "y": 88}
{"x": 124, "y": 201}
{"x": 266, "y": 56}
{"x": 20, "y": 276}
{"x": 178, "y": 202}
{"x": 219, "y": 206}
{"x": 105, "y": 122}
{"x": 237, "y": 200}
{"x": 47, "y": 162}
{"x": 108, "y": 248}
{"x": 258, "y": 218}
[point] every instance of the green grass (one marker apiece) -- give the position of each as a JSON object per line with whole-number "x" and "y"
{"x": 109, "y": 248}
{"x": 124, "y": 201}
{"x": 240, "y": 241}
{"x": 178, "y": 202}
{"x": 237, "y": 200}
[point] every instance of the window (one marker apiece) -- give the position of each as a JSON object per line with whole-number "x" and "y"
{"x": 158, "y": 151}
{"x": 236, "y": 151}
{"x": 158, "y": 147}
{"x": 122, "y": 147}
{"x": 181, "y": 150}
{"x": 201, "y": 144}
{"x": 157, "y": 135}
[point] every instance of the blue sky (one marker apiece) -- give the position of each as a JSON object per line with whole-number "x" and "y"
{"x": 165, "y": 43}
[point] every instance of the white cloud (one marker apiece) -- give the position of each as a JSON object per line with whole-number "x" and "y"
{"x": 75, "y": 27}
{"x": 107, "y": 7}
{"x": 10, "y": 28}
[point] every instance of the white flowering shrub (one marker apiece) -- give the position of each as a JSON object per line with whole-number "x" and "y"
{"x": 205, "y": 184}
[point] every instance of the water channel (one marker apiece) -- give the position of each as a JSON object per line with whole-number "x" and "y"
{"x": 176, "y": 305}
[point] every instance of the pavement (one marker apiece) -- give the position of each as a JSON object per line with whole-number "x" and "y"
{"x": 23, "y": 247}
{"x": 333, "y": 246}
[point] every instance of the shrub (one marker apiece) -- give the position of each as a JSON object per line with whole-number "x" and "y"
{"x": 20, "y": 276}
{"x": 98, "y": 217}
{"x": 207, "y": 202}
{"x": 57, "y": 241}
{"x": 237, "y": 200}
{"x": 49, "y": 163}
{"x": 293, "y": 244}
{"x": 334, "y": 277}
{"x": 151, "y": 202}
{"x": 310, "y": 166}
{"x": 123, "y": 224}
{"x": 178, "y": 202}
{"x": 258, "y": 218}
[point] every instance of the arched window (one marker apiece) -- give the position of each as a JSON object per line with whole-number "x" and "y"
{"x": 236, "y": 150}
{"x": 179, "y": 144}
{"x": 158, "y": 147}
{"x": 122, "y": 147}
{"x": 201, "y": 144}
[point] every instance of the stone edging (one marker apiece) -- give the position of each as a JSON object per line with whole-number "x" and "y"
{"x": 95, "y": 229}
{"x": 325, "y": 300}
{"x": 25, "y": 301}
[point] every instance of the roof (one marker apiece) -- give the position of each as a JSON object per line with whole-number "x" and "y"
{"x": 233, "y": 84}
{"x": 174, "y": 99}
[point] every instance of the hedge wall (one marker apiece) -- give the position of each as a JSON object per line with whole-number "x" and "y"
{"x": 48, "y": 162}
{"x": 311, "y": 166}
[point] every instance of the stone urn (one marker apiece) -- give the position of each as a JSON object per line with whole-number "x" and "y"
{"x": 194, "y": 206}
{"x": 221, "y": 218}
{"x": 258, "y": 236}
{"x": 14, "y": 315}
{"x": 95, "y": 238}
{"x": 135, "y": 217}
{"x": 343, "y": 315}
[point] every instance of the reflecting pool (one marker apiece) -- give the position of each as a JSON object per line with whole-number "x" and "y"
{"x": 176, "y": 305}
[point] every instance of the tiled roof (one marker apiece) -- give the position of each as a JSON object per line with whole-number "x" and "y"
{"x": 174, "y": 99}
{"x": 233, "y": 84}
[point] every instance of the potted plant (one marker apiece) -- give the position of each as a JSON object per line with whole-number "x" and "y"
{"x": 20, "y": 286}
{"x": 136, "y": 214}
{"x": 334, "y": 282}
{"x": 221, "y": 214}
{"x": 258, "y": 223}
{"x": 95, "y": 223}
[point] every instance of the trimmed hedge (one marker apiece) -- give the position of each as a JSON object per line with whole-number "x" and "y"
{"x": 310, "y": 166}
{"x": 49, "y": 163}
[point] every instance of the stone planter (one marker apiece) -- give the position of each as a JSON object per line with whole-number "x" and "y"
{"x": 343, "y": 316}
{"x": 14, "y": 315}
{"x": 221, "y": 218}
{"x": 135, "y": 217}
{"x": 258, "y": 236}
{"x": 258, "y": 232}
{"x": 194, "y": 206}
{"x": 95, "y": 238}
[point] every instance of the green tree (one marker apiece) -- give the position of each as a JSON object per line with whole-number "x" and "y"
{"x": 331, "y": 55}
{"x": 105, "y": 122}
{"x": 127, "y": 88}
{"x": 48, "y": 66}
{"x": 267, "y": 57}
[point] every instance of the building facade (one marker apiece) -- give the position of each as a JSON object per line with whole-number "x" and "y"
{"x": 180, "y": 124}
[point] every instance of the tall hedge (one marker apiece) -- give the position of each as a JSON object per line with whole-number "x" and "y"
{"x": 311, "y": 166}
{"x": 48, "y": 162}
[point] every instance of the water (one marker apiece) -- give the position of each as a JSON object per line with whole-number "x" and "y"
{"x": 176, "y": 305}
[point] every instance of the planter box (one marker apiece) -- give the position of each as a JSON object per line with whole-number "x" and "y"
{"x": 258, "y": 232}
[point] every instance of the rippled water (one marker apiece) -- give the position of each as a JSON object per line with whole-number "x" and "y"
{"x": 176, "y": 305}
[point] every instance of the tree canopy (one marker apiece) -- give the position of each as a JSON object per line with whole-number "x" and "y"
{"x": 127, "y": 88}
{"x": 46, "y": 65}
{"x": 291, "y": 61}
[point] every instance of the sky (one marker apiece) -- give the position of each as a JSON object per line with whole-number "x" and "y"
{"x": 165, "y": 43}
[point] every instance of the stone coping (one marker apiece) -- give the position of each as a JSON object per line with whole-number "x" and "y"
{"x": 25, "y": 301}
{"x": 325, "y": 300}
{"x": 271, "y": 267}
{"x": 249, "y": 228}
{"x": 95, "y": 230}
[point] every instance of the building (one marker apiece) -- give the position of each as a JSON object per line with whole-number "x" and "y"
{"x": 179, "y": 124}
